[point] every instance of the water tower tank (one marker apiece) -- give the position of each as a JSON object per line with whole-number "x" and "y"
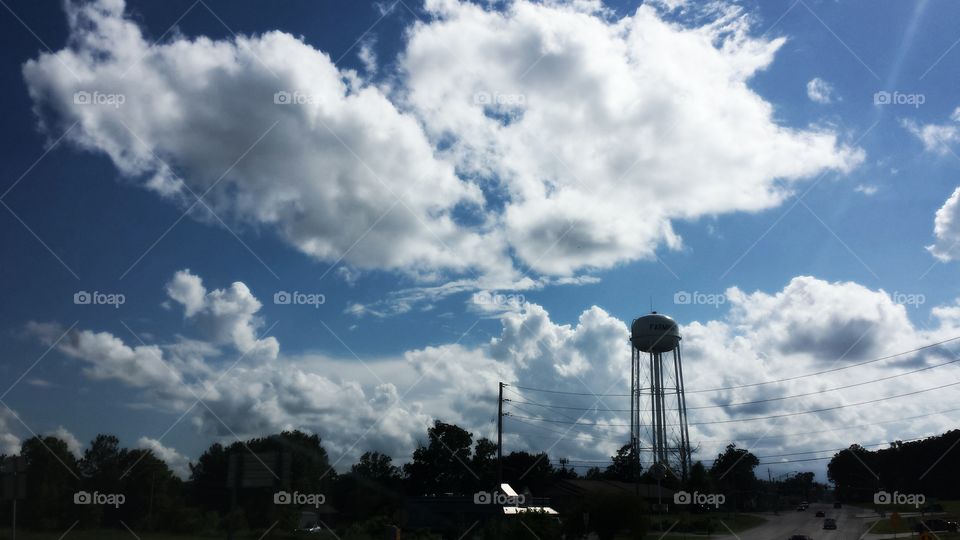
{"x": 655, "y": 333}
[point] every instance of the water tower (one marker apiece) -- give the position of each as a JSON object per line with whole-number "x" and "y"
{"x": 656, "y": 379}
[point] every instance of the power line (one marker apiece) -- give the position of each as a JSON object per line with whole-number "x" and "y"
{"x": 836, "y": 407}
{"x": 548, "y": 406}
{"x": 569, "y": 393}
{"x": 564, "y": 422}
{"x": 565, "y": 434}
{"x": 833, "y": 450}
{"x": 882, "y": 358}
{"x": 784, "y": 415}
{"x": 825, "y": 390}
{"x": 754, "y": 402}
{"x": 745, "y": 437}
{"x": 780, "y": 462}
{"x": 750, "y": 385}
{"x": 577, "y": 423}
{"x": 842, "y": 428}
{"x": 793, "y": 461}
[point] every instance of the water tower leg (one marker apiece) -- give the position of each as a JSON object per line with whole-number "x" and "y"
{"x": 679, "y": 390}
{"x": 653, "y": 412}
{"x": 684, "y": 425}
{"x": 633, "y": 396}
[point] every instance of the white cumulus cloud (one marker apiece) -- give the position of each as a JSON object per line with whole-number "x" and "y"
{"x": 936, "y": 138}
{"x": 820, "y": 91}
{"x": 386, "y": 404}
{"x": 946, "y": 229}
{"x": 178, "y": 463}
{"x": 73, "y": 444}
{"x": 225, "y": 315}
{"x": 268, "y": 130}
{"x": 601, "y": 133}
{"x": 551, "y": 136}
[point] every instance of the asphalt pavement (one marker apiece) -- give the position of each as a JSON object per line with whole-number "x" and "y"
{"x": 789, "y": 523}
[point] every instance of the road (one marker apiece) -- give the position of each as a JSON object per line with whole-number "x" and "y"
{"x": 789, "y": 523}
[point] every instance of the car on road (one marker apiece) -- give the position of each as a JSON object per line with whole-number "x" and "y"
{"x": 837, "y": 505}
{"x": 819, "y": 514}
{"x": 829, "y": 523}
{"x": 801, "y": 508}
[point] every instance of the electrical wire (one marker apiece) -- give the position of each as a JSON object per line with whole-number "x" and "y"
{"x": 832, "y": 450}
{"x": 843, "y": 428}
{"x": 756, "y": 401}
{"x": 577, "y": 423}
{"x": 786, "y": 435}
{"x": 750, "y": 385}
{"x": 784, "y": 415}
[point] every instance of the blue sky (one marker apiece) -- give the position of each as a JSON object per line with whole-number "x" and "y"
{"x": 855, "y": 185}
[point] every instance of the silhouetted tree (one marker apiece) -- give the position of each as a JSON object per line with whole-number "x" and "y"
{"x": 625, "y": 466}
{"x": 443, "y": 464}
{"x": 564, "y": 471}
{"x": 376, "y": 467}
{"x": 101, "y": 470}
{"x": 371, "y": 488}
{"x": 309, "y": 472}
{"x": 699, "y": 478}
{"x": 523, "y": 469}
{"x": 153, "y": 493}
{"x": 52, "y": 480}
{"x": 209, "y": 480}
{"x": 733, "y": 474}
{"x": 484, "y": 463}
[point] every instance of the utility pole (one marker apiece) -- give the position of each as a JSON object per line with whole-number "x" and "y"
{"x": 500, "y": 437}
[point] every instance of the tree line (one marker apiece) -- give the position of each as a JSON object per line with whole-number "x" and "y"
{"x": 929, "y": 467}
{"x": 450, "y": 462}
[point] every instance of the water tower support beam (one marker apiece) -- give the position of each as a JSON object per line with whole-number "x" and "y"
{"x": 633, "y": 398}
{"x": 683, "y": 451}
{"x": 653, "y": 411}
